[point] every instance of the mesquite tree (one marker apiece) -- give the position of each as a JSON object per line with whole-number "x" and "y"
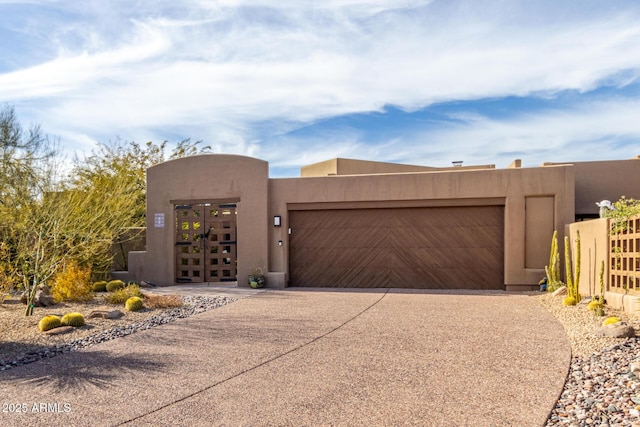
{"x": 71, "y": 224}
{"x": 26, "y": 161}
{"x": 46, "y": 221}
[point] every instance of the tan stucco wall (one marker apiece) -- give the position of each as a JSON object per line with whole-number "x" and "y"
{"x": 604, "y": 180}
{"x": 204, "y": 177}
{"x": 451, "y": 188}
{"x": 539, "y": 221}
{"x": 536, "y": 201}
{"x": 594, "y": 248}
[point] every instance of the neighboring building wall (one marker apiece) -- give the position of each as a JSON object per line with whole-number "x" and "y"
{"x": 604, "y": 180}
{"x": 341, "y": 166}
{"x": 203, "y": 178}
{"x": 515, "y": 187}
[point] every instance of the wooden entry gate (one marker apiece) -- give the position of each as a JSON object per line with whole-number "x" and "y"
{"x": 206, "y": 249}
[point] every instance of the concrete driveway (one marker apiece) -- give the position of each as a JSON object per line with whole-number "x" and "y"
{"x": 313, "y": 357}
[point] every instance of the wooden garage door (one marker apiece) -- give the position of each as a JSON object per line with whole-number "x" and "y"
{"x": 426, "y": 248}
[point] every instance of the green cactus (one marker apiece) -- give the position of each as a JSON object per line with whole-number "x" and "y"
{"x": 577, "y": 272}
{"x": 599, "y": 310}
{"x": 601, "y": 277}
{"x": 73, "y": 319}
{"x": 553, "y": 269}
{"x": 595, "y": 305}
{"x": 569, "y": 301}
{"x": 115, "y": 285}
{"x": 100, "y": 286}
{"x": 49, "y": 322}
{"x": 572, "y": 286}
{"x": 610, "y": 321}
{"x": 567, "y": 266}
{"x": 134, "y": 304}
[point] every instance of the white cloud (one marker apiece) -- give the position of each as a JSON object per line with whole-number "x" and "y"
{"x": 77, "y": 73}
{"x": 221, "y": 67}
{"x": 598, "y": 130}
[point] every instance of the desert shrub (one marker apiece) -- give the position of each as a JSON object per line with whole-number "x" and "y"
{"x": 9, "y": 279}
{"x": 610, "y": 321}
{"x": 73, "y": 319}
{"x": 115, "y": 285}
{"x": 599, "y": 311}
{"x": 594, "y": 304}
{"x": 49, "y": 322}
{"x": 569, "y": 301}
{"x": 100, "y": 286}
{"x": 623, "y": 210}
{"x": 162, "y": 301}
{"x": 134, "y": 304}
{"x": 72, "y": 283}
{"x": 121, "y": 295}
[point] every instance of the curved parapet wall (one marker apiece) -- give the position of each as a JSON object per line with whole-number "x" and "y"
{"x": 219, "y": 177}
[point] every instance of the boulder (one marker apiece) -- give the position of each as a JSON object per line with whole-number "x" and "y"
{"x": 59, "y": 331}
{"x": 561, "y": 291}
{"x": 42, "y": 298}
{"x": 585, "y": 301}
{"x": 634, "y": 367}
{"x": 616, "y": 330}
{"x": 105, "y": 314}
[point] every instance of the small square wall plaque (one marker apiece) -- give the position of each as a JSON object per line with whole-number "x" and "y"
{"x": 158, "y": 220}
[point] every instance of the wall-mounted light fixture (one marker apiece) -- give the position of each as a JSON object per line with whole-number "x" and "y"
{"x": 277, "y": 221}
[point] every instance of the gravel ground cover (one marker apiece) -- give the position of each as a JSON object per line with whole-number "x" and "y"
{"x": 22, "y": 342}
{"x": 600, "y": 389}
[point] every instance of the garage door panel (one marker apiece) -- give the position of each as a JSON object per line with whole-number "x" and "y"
{"x": 417, "y": 237}
{"x": 419, "y": 278}
{"x": 444, "y": 257}
{"x": 344, "y": 277}
{"x": 361, "y": 238}
{"x": 441, "y": 278}
{"x": 347, "y": 218}
{"x": 436, "y": 237}
{"x": 319, "y": 261}
{"x": 425, "y": 258}
{"x": 340, "y": 237}
{"x": 437, "y": 248}
{"x": 349, "y": 258}
{"x": 450, "y": 217}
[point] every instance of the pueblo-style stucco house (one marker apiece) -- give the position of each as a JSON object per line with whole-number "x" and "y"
{"x": 351, "y": 223}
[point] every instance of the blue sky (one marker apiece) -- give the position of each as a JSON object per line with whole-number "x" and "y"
{"x": 295, "y": 82}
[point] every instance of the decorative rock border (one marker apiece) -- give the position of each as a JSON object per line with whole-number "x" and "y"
{"x": 601, "y": 389}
